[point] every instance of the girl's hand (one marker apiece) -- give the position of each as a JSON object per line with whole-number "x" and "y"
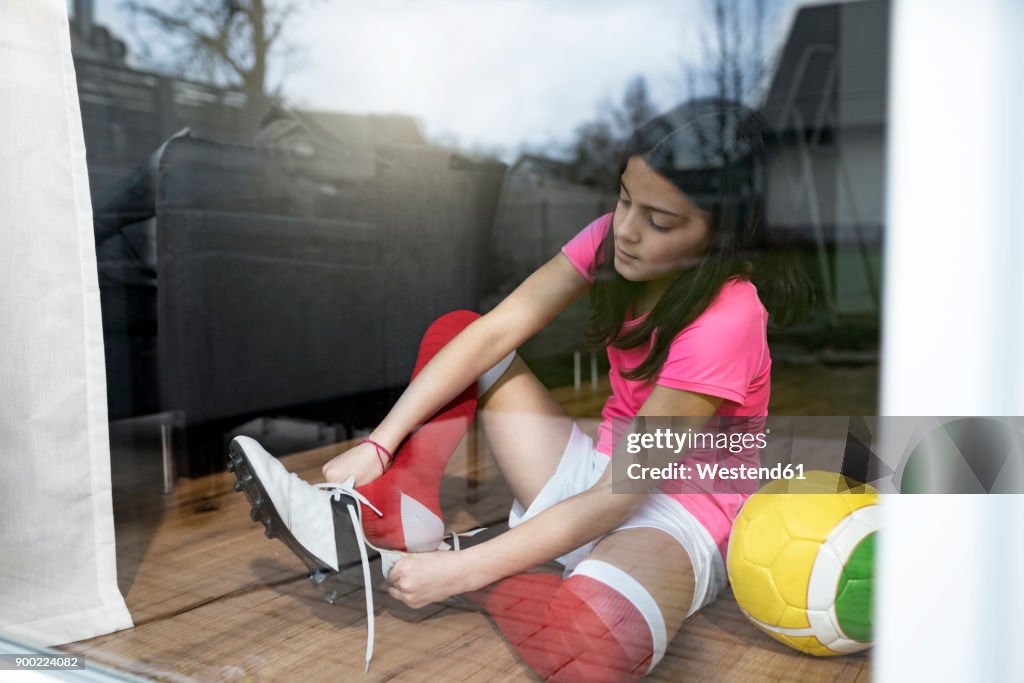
{"x": 419, "y": 579}
{"x": 360, "y": 461}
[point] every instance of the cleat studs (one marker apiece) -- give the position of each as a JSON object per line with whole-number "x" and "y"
{"x": 231, "y": 465}
{"x": 237, "y": 486}
{"x": 254, "y": 514}
{"x": 317, "y": 577}
{"x": 269, "y": 532}
{"x": 331, "y": 597}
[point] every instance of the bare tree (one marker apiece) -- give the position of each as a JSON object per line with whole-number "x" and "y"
{"x": 636, "y": 108}
{"x": 733, "y": 63}
{"x": 228, "y": 42}
{"x": 595, "y": 152}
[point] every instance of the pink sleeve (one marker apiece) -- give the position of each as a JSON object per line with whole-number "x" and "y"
{"x": 721, "y": 352}
{"x": 582, "y": 249}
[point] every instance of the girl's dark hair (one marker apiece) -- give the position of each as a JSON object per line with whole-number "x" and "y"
{"x": 713, "y": 151}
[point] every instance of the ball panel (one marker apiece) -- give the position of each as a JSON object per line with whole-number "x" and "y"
{"x": 759, "y": 596}
{"x": 791, "y": 571}
{"x": 764, "y": 538}
{"x": 856, "y": 592}
{"x": 828, "y": 511}
{"x": 794, "y": 618}
{"x": 811, "y": 646}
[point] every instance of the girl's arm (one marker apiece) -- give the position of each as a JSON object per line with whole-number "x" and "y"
{"x": 422, "y": 578}
{"x": 531, "y": 306}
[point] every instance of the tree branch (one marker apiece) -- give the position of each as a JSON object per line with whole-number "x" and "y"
{"x": 232, "y": 39}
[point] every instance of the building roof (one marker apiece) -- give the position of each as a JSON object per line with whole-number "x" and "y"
{"x": 95, "y": 42}
{"x": 832, "y": 69}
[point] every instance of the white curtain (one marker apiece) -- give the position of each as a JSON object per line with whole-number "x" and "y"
{"x": 58, "y": 580}
{"x": 951, "y": 600}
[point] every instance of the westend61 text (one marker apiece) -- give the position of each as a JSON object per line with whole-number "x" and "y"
{"x": 713, "y": 471}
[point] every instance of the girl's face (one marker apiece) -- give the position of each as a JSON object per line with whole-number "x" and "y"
{"x": 658, "y": 231}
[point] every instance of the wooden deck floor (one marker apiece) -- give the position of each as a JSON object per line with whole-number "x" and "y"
{"x": 215, "y": 600}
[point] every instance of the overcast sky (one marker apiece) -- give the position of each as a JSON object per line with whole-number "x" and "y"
{"x": 490, "y": 73}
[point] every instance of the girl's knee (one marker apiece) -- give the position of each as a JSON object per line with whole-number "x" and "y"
{"x": 451, "y": 323}
{"x": 598, "y": 634}
{"x": 440, "y": 332}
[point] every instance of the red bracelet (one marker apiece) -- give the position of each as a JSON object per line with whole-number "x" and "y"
{"x": 383, "y": 467}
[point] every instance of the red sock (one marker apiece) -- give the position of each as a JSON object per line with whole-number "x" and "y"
{"x": 577, "y": 629}
{"x": 407, "y": 494}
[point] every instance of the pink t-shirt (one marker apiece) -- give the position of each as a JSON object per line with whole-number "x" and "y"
{"x": 723, "y": 353}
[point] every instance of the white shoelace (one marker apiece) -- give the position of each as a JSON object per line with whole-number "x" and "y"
{"x": 455, "y": 538}
{"x": 347, "y": 488}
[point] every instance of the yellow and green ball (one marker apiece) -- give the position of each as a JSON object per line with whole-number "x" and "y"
{"x": 801, "y": 562}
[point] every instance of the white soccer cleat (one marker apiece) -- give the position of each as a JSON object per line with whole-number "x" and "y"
{"x": 321, "y": 524}
{"x": 292, "y": 510}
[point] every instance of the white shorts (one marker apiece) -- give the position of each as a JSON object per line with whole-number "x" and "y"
{"x": 580, "y": 468}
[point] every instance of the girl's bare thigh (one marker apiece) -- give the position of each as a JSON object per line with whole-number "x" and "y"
{"x": 526, "y": 430}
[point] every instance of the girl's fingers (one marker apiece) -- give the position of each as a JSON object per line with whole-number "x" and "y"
{"x": 397, "y": 594}
{"x": 395, "y": 574}
{"x": 397, "y": 569}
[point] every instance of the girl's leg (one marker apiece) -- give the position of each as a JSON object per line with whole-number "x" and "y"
{"x": 407, "y": 494}
{"x": 526, "y": 430}
{"x": 610, "y": 620}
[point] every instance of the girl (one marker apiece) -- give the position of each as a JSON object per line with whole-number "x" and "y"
{"x": 674, "y": 299}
